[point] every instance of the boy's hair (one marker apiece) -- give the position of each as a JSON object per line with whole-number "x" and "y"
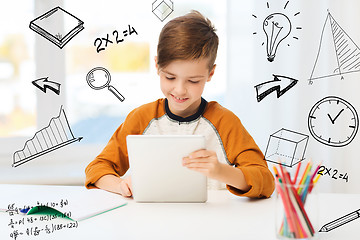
{"x": 187, "y": 37}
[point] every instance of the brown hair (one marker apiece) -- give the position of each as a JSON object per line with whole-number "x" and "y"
{"x": 191, "y": 36}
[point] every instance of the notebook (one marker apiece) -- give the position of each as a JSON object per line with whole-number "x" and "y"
{"x": 157, "y": 173}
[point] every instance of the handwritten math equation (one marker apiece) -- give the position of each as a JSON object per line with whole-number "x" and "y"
{"x": 48, "y": 229}
{"x": 24, "y": 225}
{"x": 102, "y": 43}
{"x": 333, "y": 173}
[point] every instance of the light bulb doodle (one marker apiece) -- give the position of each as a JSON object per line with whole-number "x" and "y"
{"x": 277, "y": 27}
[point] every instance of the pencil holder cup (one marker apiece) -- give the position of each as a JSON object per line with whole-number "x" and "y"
{"x": 297, "y": 210}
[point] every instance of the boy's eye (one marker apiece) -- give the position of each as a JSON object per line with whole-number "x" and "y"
{"x": 193, "y": 81}
{"x": 170, "y": 78}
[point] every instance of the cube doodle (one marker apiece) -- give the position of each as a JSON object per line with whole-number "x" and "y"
{"x": 286, "y": 147}
{"x": 162, "y": 9}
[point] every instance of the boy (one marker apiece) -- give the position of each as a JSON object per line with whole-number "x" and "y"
{"x": 185, "y": 59}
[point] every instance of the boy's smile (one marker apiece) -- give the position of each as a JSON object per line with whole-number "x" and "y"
{"x": 182, "y": 82}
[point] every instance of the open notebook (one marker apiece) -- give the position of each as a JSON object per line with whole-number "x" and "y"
{"x": 76, "y": 203}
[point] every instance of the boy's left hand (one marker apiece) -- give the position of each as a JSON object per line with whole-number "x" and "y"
{"x": 203, "y": 161}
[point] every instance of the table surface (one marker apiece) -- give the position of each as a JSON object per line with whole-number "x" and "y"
{"x": 223, "y": 216}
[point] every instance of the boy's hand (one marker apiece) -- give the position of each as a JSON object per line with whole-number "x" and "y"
{"x": 203, "y": 161}
{"x": 126, "y": 187}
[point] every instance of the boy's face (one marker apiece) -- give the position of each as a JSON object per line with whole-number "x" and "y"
{"x": 182, "y": 82}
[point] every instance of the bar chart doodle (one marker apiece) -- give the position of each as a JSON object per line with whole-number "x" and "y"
{"x": 56, "y": 135}
{"x": 338, "y": 54}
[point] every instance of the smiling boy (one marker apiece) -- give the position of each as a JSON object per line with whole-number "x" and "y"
{"x": 185, "y": 60}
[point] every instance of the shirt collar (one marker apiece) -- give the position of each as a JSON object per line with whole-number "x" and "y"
{"x": 190, "y": 118}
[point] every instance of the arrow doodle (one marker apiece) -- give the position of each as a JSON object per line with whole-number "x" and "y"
{"x": 44, "y": 83}
{"x": 275, "y": 85}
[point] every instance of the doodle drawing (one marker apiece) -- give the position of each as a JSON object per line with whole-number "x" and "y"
{"x": 162, "y": 8}
{"x": 277, "y": 27}
{"x": 333, "y": 121}
{"x": 56, "y": 135}
{"x": 57, "y": 25}
{"x": 340, "y": 221}
{"x": 280, "y": 84}
{"x": 44, "y": 83}
{"x": 286, "y": 147}
{"x": 338, "y": 54}
{"x": 99, "y": 78}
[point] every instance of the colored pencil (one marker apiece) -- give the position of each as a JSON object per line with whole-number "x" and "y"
{"x": 297, "y": 172}
{"x": 296, "y": 222}
{"x": 298, "y": 204}
{"x": 285, "y": 201}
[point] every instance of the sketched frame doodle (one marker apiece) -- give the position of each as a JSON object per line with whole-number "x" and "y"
{"x": 55, "y": 135}
{"x": 46, "y": 26}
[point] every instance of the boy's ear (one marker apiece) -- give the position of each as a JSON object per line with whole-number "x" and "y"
{"x": 156, "y": 65}
{"x": 211, "y": 73}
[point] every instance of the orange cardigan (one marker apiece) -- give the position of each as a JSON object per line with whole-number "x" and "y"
{"x": 223, "y": 132}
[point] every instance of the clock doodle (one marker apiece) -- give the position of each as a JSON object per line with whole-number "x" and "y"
{"x": 333, "y": 121}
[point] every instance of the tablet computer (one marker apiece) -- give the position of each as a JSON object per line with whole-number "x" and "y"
{"x": 157, "y": 173}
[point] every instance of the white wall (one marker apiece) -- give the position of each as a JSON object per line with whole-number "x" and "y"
{"x": 248, "y": 66}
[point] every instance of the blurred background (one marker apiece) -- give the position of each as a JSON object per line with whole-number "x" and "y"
{"x": 95, "y": 114}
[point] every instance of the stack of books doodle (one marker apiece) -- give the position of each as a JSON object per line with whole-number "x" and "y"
{"x": 57, "y": 25}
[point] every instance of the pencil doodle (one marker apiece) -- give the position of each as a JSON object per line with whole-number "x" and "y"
{"x": 99, "y": 78}
{"x": 56, "y": 135}
{"x": 333, "y": 121}
{"x": 57, "y": 25}
{"x": 280, "y": 84}
{"x": 162, "y": 8}
{"x": 286, "y": 147}
{"x": 118, "y": 39}
{"x": 340, "y": 221}
{"x": 334, "y": 173}
{"x": 338, "y": 54}
{"x": 277, "y": 27}
{"x": 44, "y": 83}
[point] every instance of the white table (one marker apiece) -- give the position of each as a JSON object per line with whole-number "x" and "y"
{"x": 223, "y": 216}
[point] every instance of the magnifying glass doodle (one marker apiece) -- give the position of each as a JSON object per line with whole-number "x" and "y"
{"x": 99, "y": 78}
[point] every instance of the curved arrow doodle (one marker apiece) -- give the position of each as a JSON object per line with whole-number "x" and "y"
{"x": 275, "y": 85}
{"x": 44, "y": 83}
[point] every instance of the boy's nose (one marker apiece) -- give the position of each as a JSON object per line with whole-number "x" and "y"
{"x": 180, "y": 88}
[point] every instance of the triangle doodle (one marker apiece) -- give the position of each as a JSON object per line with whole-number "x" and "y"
{"x": 338, "y": 54}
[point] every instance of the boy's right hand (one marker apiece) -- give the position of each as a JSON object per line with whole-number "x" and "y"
{"x": 126, "y": 187}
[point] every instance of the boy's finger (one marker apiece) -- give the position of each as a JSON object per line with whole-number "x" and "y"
{"x": 200, "y": 154}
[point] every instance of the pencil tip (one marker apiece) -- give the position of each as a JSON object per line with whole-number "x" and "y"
{"x": 322, "y": 229}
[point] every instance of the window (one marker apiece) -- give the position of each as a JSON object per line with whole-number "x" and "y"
{"x": 17, "y": 97}
{"x": 93, "y": 114}
{"x": 97, "y": 113}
